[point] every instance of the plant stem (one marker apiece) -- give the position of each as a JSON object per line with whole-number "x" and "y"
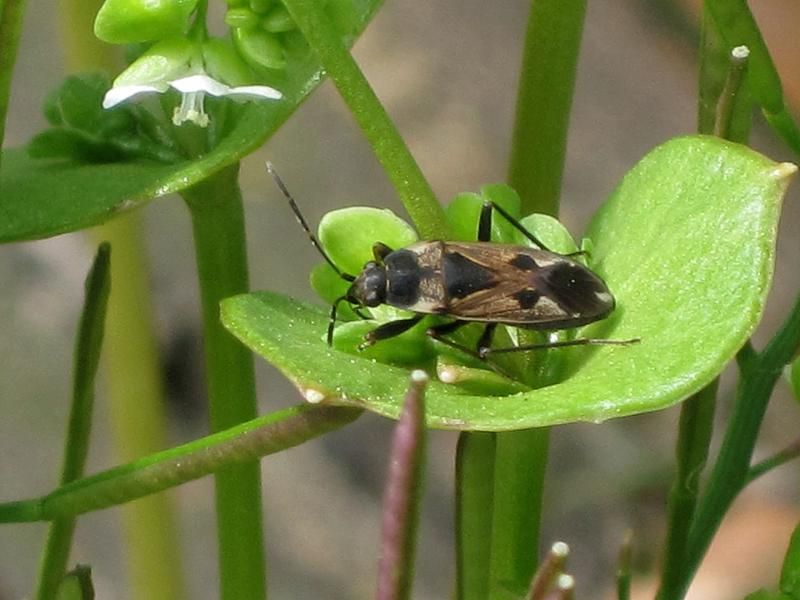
{"x": 694, "y": 437}
{"x": 791, "y": 452}
{"x": 218, "y": 221}
{"x": 519, "y": 471}
{"x": 11, "y": 13}
{"x": 474, "y": 493}
{"x": 731, "y": 470}
{"x": 544, "y": 100}
{"x": 162, "y": 470}
{"x": 86, "y": 357}
{"x": 390, "y": 149}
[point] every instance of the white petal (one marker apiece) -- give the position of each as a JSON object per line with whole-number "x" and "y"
{"x": 122, "y": 93}
{"x": 200, "y": 83}
{"x": 255, "y": 91}
{"x": 205, "y": 84}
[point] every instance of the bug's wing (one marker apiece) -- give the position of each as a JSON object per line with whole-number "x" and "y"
{"x": 510, "y": 302}
{"x": 508, "y": 284}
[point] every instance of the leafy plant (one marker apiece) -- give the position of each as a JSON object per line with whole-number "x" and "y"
{"x": 686, "y": 242}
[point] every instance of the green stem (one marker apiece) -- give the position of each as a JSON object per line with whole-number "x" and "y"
{"x": 544, "y": 100}
{"x": 11, "y": 13}
{"x": 474, "y": 493}
{"x": 519, "y": 471}
{"x": 791, "y": 452}
{"x": 163, "y": 470}
{"x": 694, "y": 437}
{"x": 390, "y": 149}
{"x": 87, "y": 355}
{"x": 731, "y": 470}
{"x": 218, "y": 221}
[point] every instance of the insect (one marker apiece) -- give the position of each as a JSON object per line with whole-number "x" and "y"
{"x": 473, "y": 282}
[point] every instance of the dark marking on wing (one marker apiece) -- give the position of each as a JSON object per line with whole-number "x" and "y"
{"x": 463, "y": 276}
{"x": 527, "y": 298}
{"x": 574, "y": 288}
{"x": 524, "y": 262}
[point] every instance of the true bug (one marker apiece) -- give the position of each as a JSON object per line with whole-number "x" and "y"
{"x": 483, "y": 282}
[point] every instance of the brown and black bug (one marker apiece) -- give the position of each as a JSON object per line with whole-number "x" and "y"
{"x": 483, "y": 282}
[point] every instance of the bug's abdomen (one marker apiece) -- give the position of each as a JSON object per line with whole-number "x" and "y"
{"x": 414, "y": 278}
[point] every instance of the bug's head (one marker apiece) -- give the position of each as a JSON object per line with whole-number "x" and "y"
{"x": 578, "y": 290}
{"x": 369, "y": 288}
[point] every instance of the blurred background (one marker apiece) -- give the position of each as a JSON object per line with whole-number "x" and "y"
{"x": 447, "y": 73}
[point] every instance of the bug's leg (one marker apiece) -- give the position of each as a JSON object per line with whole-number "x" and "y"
{"x": 361, "y": 315}
{"x": 562, "y": 344}
{"x": 485, "y": 223}
{"x": 332, "y": 321}
{"x": 380, "y": 251}
{"x": 439, "y": 331}
{"x": 485, "y": 341}
{"x": 389, "y": 330}
{"x": 516, "y": 224}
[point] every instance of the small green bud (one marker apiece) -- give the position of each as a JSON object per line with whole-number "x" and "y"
{"x": 223, "y": 63}
{"x": 241, "y": 17}
{"x": 277, "y": 20}
{"x": 131, "y": 21}
{"x": 260, "y": 48}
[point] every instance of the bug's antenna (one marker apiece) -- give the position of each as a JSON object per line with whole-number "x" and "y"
{"x": 304, "y": 225}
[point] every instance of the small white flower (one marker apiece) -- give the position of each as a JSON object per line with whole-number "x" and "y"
{"x": 164, "y": 67}
{"x": 194, "y": 87}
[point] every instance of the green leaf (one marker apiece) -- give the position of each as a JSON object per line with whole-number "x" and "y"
{"x": 348, "y": 234}
{"x": 686, "y": 244}
{"x": 41, "y": 198}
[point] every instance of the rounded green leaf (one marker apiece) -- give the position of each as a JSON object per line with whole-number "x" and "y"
{"x": 348, "y": 234}
{"x": 132, "y": 21}
{"x": 686, "y": 243}
{"x": 550, "y": 231}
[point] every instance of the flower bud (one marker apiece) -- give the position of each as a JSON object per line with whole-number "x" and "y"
{"x": 131, "y": 21}
{"x": 260, "y": 48}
